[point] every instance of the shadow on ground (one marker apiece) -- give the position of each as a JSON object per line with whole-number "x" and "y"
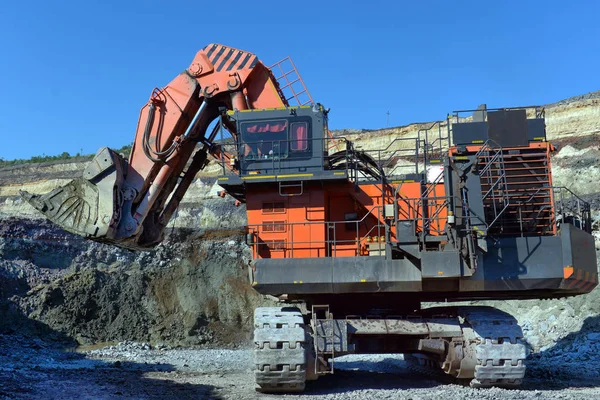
{"x": 573, "y": 361}
{"x": 37, "y": 362}
{"x": 387, "y": 373}
{"x": 347, "y": 381}
{"x": 83, "y": 378}
{"x": 31, "y": 368}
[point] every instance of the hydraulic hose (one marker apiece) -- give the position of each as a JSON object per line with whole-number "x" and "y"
{"x": 154, "y": 155}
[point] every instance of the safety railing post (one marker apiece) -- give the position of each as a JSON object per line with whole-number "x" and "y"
{"x": 327, "y": 240}
{"x": 357, "y": 229}
{"x": 334, "y": 240}
{"x": 321, "y": 150}
{"x": 520, "y": 220}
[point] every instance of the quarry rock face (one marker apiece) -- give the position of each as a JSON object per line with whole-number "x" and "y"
{"x": 194, "y": 289}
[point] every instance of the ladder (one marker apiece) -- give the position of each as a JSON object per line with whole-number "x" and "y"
{"x": 492, "y": 174}
{"x": 291, "y": 85}
{"x": 326, "y": 336}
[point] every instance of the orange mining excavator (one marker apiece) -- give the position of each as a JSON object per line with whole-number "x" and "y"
{"x": 352, "y": 241}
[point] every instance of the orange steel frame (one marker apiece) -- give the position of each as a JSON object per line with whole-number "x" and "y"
{"x": 314, "y": 224}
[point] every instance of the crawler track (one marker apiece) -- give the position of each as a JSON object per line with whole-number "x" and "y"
{"x": 488, "y": 353}
{"x": 280, "y": 349}
{"x": 500, "y": 351}
{"x": 492, "y": 353}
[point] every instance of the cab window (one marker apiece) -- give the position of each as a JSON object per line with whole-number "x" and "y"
{"x": 299, "y": 136}
{"x": 264, "y": 139}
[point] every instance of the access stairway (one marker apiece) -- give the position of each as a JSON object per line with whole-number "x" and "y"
{"x": 525, "y": 195}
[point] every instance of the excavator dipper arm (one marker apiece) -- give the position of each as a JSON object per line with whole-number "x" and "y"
{"x": 129, "y": 203}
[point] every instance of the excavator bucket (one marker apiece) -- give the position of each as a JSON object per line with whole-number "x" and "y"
{"x": 87, "y": 206}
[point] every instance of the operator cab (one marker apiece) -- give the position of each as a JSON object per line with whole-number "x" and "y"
{"x": 282, "y": 141}
{"x": 286, "y": 147}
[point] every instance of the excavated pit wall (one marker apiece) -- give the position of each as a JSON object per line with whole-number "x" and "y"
{"x": 193, "y": 289}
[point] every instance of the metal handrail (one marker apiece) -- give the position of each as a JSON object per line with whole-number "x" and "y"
{"x": 491, "y": 153}
{"x": 276, "y": 160}
{"x": 429, "y": 148}
{"x": 380, "y": 151}
{"x": 255, "y": 229}
{"x": 416, "y": 154}
{"x": 573, "y": 194}
{"x": 582, "y": 211}
{"x": 537, "y": 109}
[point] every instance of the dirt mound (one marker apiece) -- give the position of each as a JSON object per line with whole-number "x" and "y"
{"x": 191, "y": 289}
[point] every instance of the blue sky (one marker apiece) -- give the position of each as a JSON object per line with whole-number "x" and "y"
{"x": 75, "y": 73}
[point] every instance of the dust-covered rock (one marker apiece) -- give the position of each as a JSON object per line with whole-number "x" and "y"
{"x": 192, "y": 289}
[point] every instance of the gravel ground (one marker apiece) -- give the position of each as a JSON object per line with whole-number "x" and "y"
{"x": 33, "y": 369}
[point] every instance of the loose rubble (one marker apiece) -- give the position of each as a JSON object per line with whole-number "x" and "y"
{"x": 32, "y": 368}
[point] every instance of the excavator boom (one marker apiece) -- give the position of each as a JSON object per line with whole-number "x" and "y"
{"x": 128, "y": 203}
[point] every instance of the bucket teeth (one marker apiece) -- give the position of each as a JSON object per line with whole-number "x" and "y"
{"x": 73, "y": 207}
{"x": 34, "y": 200}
